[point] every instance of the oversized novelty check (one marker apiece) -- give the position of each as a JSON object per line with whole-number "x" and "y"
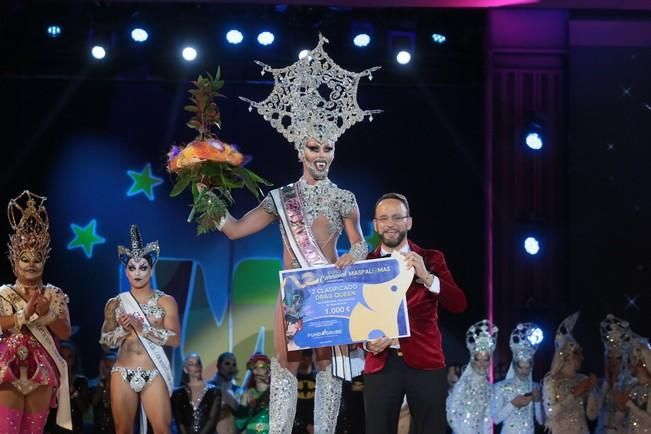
{"x": 326, "y": 306}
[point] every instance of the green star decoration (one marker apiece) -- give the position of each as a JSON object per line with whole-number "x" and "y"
{"x": 85, "y": 237}
{"x": 143, "y": 182}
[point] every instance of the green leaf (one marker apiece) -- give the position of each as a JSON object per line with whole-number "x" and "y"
{"x": 191, "y": 108}
{"x": 181, "y": 184}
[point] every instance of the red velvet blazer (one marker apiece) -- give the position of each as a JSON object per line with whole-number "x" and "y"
{"x": 423, "y": 349}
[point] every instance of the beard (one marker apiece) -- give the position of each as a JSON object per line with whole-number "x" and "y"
{"x": 393, "y": 242}
{"x": 317, "y": 174}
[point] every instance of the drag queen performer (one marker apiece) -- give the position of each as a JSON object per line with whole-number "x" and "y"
{"x": 564, "y": 389}
{"x": 516, "y": 399}
{"x": 468, "y": 405}
{"x": 313, "y": 213}
{"x": 140, "y": 322}
{"x": 638, "y": 400}
{"x": 616, "y": 336}
{"x": 32, "y": 372}
{"x": 196, "y": 403}
{"x": 253, "y": 412}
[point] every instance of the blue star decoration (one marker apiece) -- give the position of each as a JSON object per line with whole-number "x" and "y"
{"x": 143, "y": 182}
{"x": 85, "y": 237}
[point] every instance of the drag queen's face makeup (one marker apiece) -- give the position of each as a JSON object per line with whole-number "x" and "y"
{"x": 480, "y": 362}
{"x": 317, "y": 158}
{"x": 138, "y": 273}
{"x": 29, "y": 268}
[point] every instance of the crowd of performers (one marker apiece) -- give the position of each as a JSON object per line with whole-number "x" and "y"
{"x": 313, "y": 212}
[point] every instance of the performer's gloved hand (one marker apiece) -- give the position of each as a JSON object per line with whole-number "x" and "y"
{"x": 378, "y": 345}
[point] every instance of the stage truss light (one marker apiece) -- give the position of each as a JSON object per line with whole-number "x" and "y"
{"x": 139, "y": 35}
{"x": 535, "y": 336}
{"x": 531, "y": 245}
{"x": 54, "y": 31}
{"x": 266, "y": 38}
{"x": 234, "y": 37}
{"x": 98, "y": 52}
{"x": 534, "y": 140}
{"x": 403, "y": 57}
{"x": 189, "y": 53}
{"x": 361, "y": 40}
{"x": 303, "y": 54}
{"x": 439, "y": 38}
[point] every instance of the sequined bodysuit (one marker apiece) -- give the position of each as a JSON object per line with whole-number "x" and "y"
{"x": 515, "y": 420}
{"x": 564, "y": 414}
{"x": 639, "y": 407}
{"x": 468, "y": 405}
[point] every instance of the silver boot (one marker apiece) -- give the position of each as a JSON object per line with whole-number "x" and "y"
{"x": 326, "y": 402}
{"x": 282, "y": 401}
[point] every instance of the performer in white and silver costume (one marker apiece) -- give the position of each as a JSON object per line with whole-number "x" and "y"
{"x": 564, "y": 389}
{"x": 637, "y": 402}
{"x": 313, "y": 212}
{"x": 616, "y": 337}
{"x": 468, "y": 405}
{"x": 517, "y": 399}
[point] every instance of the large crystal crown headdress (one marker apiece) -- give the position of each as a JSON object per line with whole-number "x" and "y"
{"x": 313, "y": 98}
{"x": 524, "y": 341}
{"x": 29, "y": 221}
{"x": 615, "y": 333}
{"x": 138, "y": 248}
{"x": 481, "y": 337}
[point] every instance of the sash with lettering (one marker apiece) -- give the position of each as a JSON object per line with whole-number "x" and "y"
{"x": 44, "y": 337}
{"x": 347, "y": 361}
{"x": 155, "y": 352}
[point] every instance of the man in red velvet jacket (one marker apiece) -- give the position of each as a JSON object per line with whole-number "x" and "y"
{"x": 413, "y": 366}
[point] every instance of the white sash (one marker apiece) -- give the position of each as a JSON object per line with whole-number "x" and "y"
{"x": 155, "y": 352}
{"x": 346, "y": 362}
{"x": 44, "y": 337}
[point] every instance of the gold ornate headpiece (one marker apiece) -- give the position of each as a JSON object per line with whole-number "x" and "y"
{"x": 29, "y": 222}
{"x": 313, "y": 98}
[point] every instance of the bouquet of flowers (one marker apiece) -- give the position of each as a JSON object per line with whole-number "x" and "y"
{"x": 209, "y": 166}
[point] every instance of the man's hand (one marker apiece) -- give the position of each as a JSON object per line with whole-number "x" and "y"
{"x": 344, "y": 260}
{"x": 413, "y": 259}
{"x": 378, "y": 345}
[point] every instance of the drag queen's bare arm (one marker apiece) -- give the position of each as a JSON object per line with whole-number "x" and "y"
{"x": 253, "y": 221}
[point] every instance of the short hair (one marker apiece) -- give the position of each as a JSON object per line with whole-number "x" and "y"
{"x": 397, "y": 196}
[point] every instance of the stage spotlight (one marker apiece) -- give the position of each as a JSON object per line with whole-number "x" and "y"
{"x": 54, "y": 31}
{"x": 234, "y": 37}
{"x": 403, "y": 57}
{"x": 438, "y": 38}
{"x": 362, "y": 40}
{"x": 531, "y": 245}
{"x": 266, "y": 38}
{"x": 189, "y": 53}
{"x": 98, "y": 52}
{"x": 139, "y": 35}
{"x": 303, "y": 53}
{"x": 535, "y": 336}
{"x": 534, "y": 140}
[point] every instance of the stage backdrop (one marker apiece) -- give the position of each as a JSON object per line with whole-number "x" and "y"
{"x": 97, "y": 149}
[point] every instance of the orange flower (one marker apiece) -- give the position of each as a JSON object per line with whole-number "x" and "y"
{"x": 199, "y": 151}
